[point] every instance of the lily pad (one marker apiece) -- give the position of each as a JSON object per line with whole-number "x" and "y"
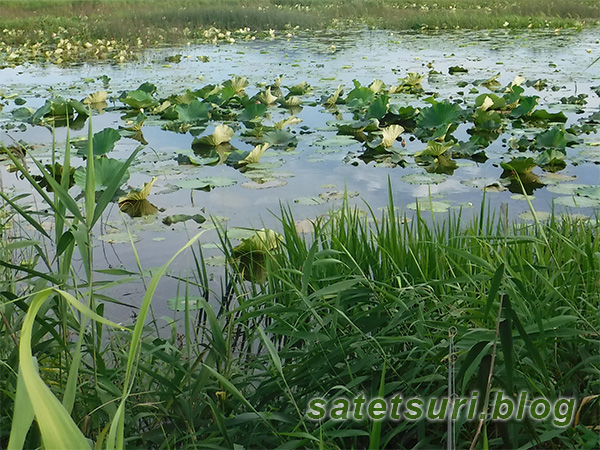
{"x": 264, "y": 185}
{"x": 541, "y": 215}
{"x": 589, "y": 191}
{"x": 577, "y": 202}
{"x": 309, "y": 200}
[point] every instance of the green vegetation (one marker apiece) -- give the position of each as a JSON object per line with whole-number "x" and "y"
{"x": 363, "y": 304}
{"x": 116, "y": 29}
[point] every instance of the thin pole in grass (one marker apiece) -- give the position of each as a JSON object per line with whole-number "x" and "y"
{"x": 489, "y": 381}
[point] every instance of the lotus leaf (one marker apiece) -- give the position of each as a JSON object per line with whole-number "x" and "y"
{"x": 309, "y": 200}
{"x": 378, "y": 108}
{"x": 97, "y": 100}
{"x": 334, "y": 98}
{"x": 139, "y": 100}
{"x": 520, "y": 165}
{"x": 390, "y": 134}
{"x": 525, "y": 107}
{"x": 176, "y": 218}
{"x": 251, "y": 255}
{"x": 300, "y": 89}
{"x": 104, "y": 173}
{"x": 377, "y": 86}
{"x": 206, "y": 183}
{"x": 103, "y": 142}
{"x": 556, "y": 137}
{"x": 237, "y": 85}
{"x": 490, "y": 101}
{"x": 592, "y": 192}
{"x": 360, "y": 96}
{"x": 221, "y": 135}
{"x": 292, "y": 120}
{"x": 59, "y": 107}
{"x": 255, "y": 155}
{"x": 551, "y": 158}
{"x": 266, "y": 97}
{"x": 545, "y": 116}
{"x": 429, "y": 205}
{"x": 193, "y": 112}
{"x": 290, "y": 101}
{"x": 577, "y": 202}
{"x": 279, "y": 138}
{"x": 434, "y": 149}
{"x": 456, "y": 69}
{"x": 424, "y": 178}
{"x": 440, "y": 113}
{"x": 492, "y": 83}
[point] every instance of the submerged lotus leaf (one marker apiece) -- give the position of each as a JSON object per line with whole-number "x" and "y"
{"x": 104, "y": 173}
{"x": 424, "y": 178}
{"x": 183, "y": 303}
{"x": 429, "y": 205}
{"x": 390, "y": 134}
{"x": 135, "y": 204}
{"x": 221, "y": 135}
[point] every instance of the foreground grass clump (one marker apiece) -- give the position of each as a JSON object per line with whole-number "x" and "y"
{"x": 116, "y": 29}
{"x": 367, "y": 303}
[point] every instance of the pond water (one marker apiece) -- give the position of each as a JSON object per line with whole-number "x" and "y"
{"x": 310, "y": 164}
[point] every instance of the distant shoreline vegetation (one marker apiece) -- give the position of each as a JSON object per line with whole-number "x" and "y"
{"x": 32, "y": 30}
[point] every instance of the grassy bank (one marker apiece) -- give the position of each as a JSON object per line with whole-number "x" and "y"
{"x": 367, "y": 303}
{"x": 32, "y": 27}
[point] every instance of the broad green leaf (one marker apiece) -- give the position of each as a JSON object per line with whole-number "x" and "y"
{"x": 140, "y": 100}
{"x": 194, "y": 111}
{"x": 434, "y": 149}
{"x": 104, "y": 173}
{"x": 279, "y": 138}
{"x": 440, "y": 113}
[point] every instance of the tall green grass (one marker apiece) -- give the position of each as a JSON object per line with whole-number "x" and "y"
{"x": 367, "y": 303}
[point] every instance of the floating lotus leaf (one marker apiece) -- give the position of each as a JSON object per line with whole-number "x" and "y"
{"x": 206, "y": 183}
{"x": 424, "y": 178}
{"x": 118, "y": 238}
{"x": 378, "y": 108}
{"x": 279, "y": 138}
{"x": 565, "y": 188}
{"x": 592, "y": 192}
{"x": 428, "y": 205}
{"x": 556, "y": 137}
{"x": 490, "y": 101}
{"x": 264, "y": 165}
{"x": 456, "y": 69}
{"x": 520, "y": 165}
{"x": 525, "y": 107}
{"x": 337, "y": 141}
{"x": 577, "y": 202}
{"x": 176, "y": 218}
{"x": 221, "y": 135}
{"x": 183, "y": 303}
{"x": 104, "y": 173}
{"x": 264, "y": 183}
{"x": 551, "y": 158}
{"x": 540, "y": 215}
